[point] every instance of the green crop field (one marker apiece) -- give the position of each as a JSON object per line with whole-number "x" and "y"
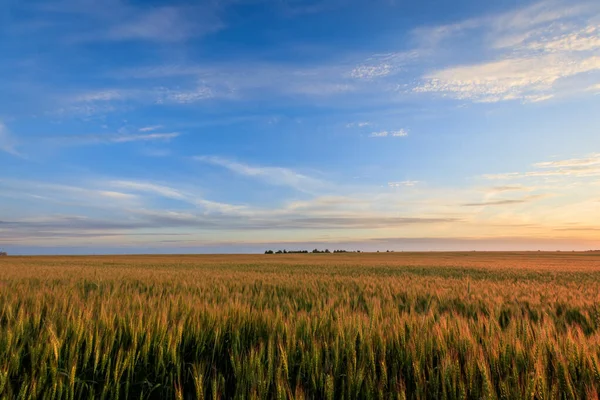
{"x": 312, "y": 326}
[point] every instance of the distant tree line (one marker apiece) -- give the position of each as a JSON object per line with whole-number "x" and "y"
{"x": 315, "y": 251}
{"x": 3, "y": 254}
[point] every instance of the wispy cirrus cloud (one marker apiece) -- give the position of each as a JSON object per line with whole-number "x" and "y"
{"x": 150, "y": 128}
{"x": 7, "y": 142}
{"x": 144, "y": 137}
{"x": 575, "y": 167}
{"x": 104, "y": 101}
{"x": 186, "y": 195}
{"x": 62, "y": 192}
{"x": 272, "y": 175}
{"x": 117, "y": 20}
{"x": 507, "y": 188}
{"x": 83, "y": 140}
{"x": 496, "y": 203}
{"x": 100, "y": 95}
{"x": 136, "y": 207}
{"x": 506, "y": 202}
{"x": 148, "y": 187}
{"x": 534, "y": 48}
{"x": 593, "y": 159}
{"x": 166, "y": 24}
{"x": 190, "y": 84}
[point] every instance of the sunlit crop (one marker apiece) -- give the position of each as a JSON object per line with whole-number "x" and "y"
{"x": 331, "y": 326}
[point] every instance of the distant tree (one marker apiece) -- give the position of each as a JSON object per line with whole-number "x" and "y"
{"x": 269, "y": 252}
{"x": 279, "y": 252}
{"x": 327, "y": 251}
{"x": 3, "y": 254}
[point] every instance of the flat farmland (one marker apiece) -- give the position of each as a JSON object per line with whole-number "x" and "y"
{"x": 400, "y": 325}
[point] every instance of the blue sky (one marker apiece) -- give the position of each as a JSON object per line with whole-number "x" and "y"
{"x": 241, "y": 125}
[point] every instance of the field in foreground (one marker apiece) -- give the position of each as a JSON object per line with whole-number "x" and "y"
{"x": 332, "y": 326}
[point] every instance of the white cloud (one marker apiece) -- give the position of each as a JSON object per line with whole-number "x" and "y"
{"x": 7, "y": 143}
{"x": 379, "y": 134}
{"x": 96, "y": 101}
{"x": 115, "y": 195}
{"x": 64, "y": 192}
{"x": 593, "y": 159}
{"x": 403, "y": 183}
{"x": 150, "y": 128}
{"x": 178, "y": 194}
{"x": 156, "y": 152}
{"x": 319, "y": 88}
{"x": 530, "y": 78}
{"x": 119, "y": 21}
{"x": 358, "y": 124}
{"x": 108, "y": 100}
{"x": 532, "y": 50}
{"x": 371, "y": 71}
{"x": 186, "y": 97}
{"x": 586, "y": 39}
{"x": 428, "y": 212}
{"x": 573, "y": 168}
{"x": 383, "y": 65}
{"x": 398, "y": 133}
{"x": 224, "y": 208}
{"x": 540, "y": 14}
{"x": 509, "y": 28}
{"x": 229, "y": 80}
{"x": 143, "y": 137}
{"x": 272, "y": 175}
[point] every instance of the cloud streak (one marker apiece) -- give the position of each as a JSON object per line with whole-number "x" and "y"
{"x": 403, "y": 183}
{"x": 83, "y": 140}
{"x": 272, "y": 175}
{"x": 166, "y": 24}
{"x": 506, "y": 202}
{"x": 150, "y": 128}
{"x": 576, "y": 168}
{"x": 147, "y": 187}
{"x": 7, "y": 142}
{"x": 75, "y": 226}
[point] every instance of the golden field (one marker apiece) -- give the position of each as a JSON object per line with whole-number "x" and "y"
{"x": 333, "y": 326}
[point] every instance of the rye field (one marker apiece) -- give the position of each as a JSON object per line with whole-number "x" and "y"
{"x": 304, "y": 326}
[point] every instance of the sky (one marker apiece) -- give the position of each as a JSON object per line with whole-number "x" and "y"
{"x": 243, "y": 125}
